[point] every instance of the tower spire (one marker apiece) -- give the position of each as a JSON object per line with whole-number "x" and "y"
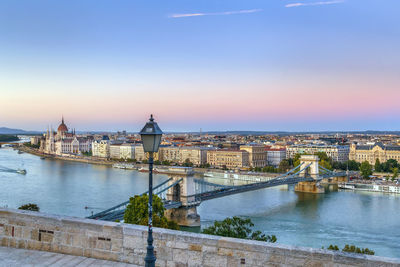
{"x": 62, "y": 119}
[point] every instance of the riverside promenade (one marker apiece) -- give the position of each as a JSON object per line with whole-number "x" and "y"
{"x": 14, "y": 257}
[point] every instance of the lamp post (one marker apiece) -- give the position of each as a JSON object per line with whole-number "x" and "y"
{"x": 151, "y": 138}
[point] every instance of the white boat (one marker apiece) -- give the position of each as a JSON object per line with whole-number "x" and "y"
{"x": 21, "y": 171}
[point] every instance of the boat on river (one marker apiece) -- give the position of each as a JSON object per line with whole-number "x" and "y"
{"x": 21, "y": 171}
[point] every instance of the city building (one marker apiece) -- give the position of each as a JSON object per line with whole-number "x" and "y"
{"x": 127, "y": 151}
{"x": 371, "y": 153}
{"x": 336, "y": 152}
{"x": 257, "y": 155}
{"x": 275, "y": 156}
{"x": 140, "y": 155}
{"x": 195, "y": 155}
{"x": 228, "y": 158}
{"x": 63, "y": 141}
{"x": 115, "y": 151}
{"x": 101, "y": 148}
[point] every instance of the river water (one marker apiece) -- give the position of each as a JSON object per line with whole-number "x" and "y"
{"x": 61, "y": 187}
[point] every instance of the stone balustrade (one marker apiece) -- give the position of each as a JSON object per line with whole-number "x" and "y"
{"x": 127, "y": 243}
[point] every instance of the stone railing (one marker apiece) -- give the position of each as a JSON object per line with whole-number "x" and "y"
{"x": 127, "y": 243}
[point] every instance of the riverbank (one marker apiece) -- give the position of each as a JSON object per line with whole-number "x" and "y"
{"x": 89, "y": 160}
{"x": 101, "y": 161}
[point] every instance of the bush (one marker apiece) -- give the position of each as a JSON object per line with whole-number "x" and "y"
{"x": 353, "y": 249}
{"x": 238, "y": 228}
{"x": 30, "y": 206}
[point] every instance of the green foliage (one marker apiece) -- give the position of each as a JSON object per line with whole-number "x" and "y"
{"x": 157, "y": 162}
{"x": 387, "y": 166}
{"x": 296, "y": 159}
{"x": 326, "y": 164}
{"x": 354, "y": 165}
{"x": 284, "y": 165}
{"x": 8, "y": 138}
{"x": 206, "y": 165}
{"x": 188, "y": 163}
{"x": 87, "y": 154}
{"x": 137, "y": 212}
{"x": 323, "y": 156}
{"x": 238, "y": 228}
{"x": 257, "y": 169}
{"x": 353, "y": 249}
{"x": 366, "y": 169}
{"x": 30, "y": 206}
{"x": 32, "y": 145}
{"x": 331, "y": 247}
{"x": 395, "y": 172}
{"x": 166, "y": 163}
{"x": 271, "y": 169}
{"x": 378, "y": 166}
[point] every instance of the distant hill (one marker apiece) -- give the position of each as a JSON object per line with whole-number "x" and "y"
{"x": 5, "y": 130}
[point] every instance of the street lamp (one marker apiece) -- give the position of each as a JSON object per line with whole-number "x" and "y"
{"x": 151, "y": 138}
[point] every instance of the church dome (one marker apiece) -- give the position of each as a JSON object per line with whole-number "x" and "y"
{"x": 62, "y": 127}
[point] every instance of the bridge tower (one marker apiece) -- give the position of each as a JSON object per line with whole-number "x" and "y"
{"x": 312, "y": 171}
{"x": 186, "y": 215}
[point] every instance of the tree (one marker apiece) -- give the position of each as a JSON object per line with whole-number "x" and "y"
{"x": 238, "y": 228}
{"x": 296, "y": 159}
{"x": 323, "y": 156}
{"x": 326, "y": 164}
{"x": 389, "y": 165}
{"x": 395, "y": 172}
{"x": 188, "y": 163}
{"x": 284, "y": 165}
{"x": 137, "y": 212}
{"x": 269, "y": 169}
{"x": 378, "y": 166}
{"x": 30, "y": 206}
{"x": 353, "y": 165}
{"x": 366, "y": 169}
{"x": 166, "y": 163}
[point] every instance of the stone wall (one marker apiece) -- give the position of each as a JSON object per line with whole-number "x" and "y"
{"x": 127, "y": 243}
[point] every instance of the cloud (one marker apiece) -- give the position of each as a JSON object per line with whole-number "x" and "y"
{"x": 244, "y": 11}
{"x": 315, "y": 3}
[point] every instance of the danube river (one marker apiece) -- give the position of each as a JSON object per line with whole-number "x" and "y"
{"x": 60, "y": 187}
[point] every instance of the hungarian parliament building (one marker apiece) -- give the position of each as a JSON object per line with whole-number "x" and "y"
{"x": 64, "y": 142}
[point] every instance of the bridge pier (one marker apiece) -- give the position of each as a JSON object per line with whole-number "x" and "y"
{"x": 186, "y": 215}
{"x": 309, "y": 187}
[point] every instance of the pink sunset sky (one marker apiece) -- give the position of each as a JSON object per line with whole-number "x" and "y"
{"x": 250, "y": 66}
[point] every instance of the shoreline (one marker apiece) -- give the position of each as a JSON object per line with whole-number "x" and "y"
{"x": 75, "y": 159}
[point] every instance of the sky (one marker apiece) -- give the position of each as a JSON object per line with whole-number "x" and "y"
{"x": 268, "y": 65}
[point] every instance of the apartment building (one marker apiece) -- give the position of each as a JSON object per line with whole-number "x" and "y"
{"x": 228, "y": 158}
{"x": 257, "y": 155}
{"x": 101, "y": 148}
{"x": 336, "y": 152}
{"x": 196, "y": 155}
{"x": 275, "y": 156}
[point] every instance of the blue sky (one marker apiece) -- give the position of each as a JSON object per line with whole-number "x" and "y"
{"x": 215, "y": 65}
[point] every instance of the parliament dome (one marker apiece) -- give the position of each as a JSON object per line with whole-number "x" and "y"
{"x": 62, "y": 127}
